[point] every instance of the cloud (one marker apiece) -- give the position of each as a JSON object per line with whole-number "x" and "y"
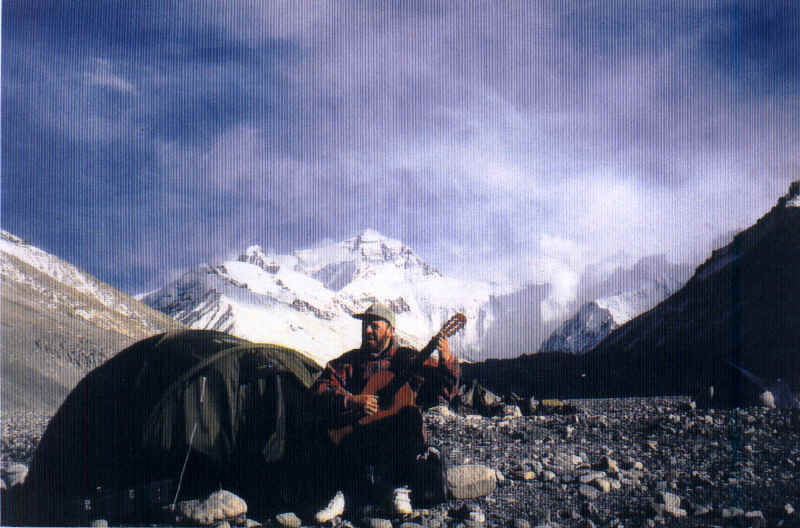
{"x": 103, "y": 76}
{"x": 505, "y": 141}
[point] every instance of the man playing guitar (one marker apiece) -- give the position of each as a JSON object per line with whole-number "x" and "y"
{"x": 370, "y": 395}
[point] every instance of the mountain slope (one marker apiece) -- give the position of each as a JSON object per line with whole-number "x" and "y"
{"x": 741, "y": 307}
{"x": 643, "y": 286}
{"x": 306, "y": 299}
{"x": 57, "y": 324}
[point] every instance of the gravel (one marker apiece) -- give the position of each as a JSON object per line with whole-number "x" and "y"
{"x": 696, "y": 464}
{"x": 20, "y": 435}
{"x": 616, "y": 462}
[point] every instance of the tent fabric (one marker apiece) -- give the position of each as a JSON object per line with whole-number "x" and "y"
{"x": 236, "y": 407}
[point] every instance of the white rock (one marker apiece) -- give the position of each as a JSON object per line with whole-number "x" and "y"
{"x": 603, "y": 484}
{"x": 443, "y": 411}
{"x": 547, "y": 476}
{"x": 288, "y": 520}
{"x": 334, "y": 509}
{"x": 756, "y": 518}
{"x": 591, "y": 476}
{"x": 219, "y": 506}
{"x": 16, "y": 474}
{"x": 376, "y": 522}
{"x": 767, "y": 399}
{"x": 470, "y": 481}
{"x": 670, "y": 500}
{"x": 730, "y": 513}
{"x": 523, "y": 474}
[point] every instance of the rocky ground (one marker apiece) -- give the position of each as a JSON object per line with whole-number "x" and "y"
{"x": 634, "y": 462}
{"x": 20, "y": 434}
{"x": 616, "y": 462}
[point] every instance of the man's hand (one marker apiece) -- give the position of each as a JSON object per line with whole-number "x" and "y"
{"x": 443, "y": 344}
{"x": 368, "y": 403}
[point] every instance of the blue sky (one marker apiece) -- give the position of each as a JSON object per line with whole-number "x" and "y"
{"x": 517, "y": 141}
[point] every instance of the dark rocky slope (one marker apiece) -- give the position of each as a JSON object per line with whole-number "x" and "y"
{"x": 740, "y": 307}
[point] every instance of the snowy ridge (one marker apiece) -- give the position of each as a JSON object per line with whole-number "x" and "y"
{"x": 793, "y": 196}
{"x": 52, "y": 266}
{"x": 626, "y": 306}
{"x": 17, "y": 260}
{"x": 55, "y": 286}
{"x": 305, "y": 300}
{"x": 596, "y": 319}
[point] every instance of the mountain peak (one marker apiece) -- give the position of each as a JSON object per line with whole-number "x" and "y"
{"x": 793, "y": 198}
{"x": 11, "y": 238}
{"x": 370, "y": 238}
{"x": 371, "y": 235}
{"x": 256, "y": 256}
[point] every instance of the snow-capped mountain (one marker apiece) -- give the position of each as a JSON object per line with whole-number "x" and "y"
{"x": 306, "y": 299}
{"x": 643, "y": 286}
{"x": 58, "y": 322}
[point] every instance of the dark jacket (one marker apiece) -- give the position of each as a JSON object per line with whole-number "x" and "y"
{"x": 348, "y": 374}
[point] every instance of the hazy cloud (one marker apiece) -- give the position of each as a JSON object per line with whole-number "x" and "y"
{"x": 501, "y": 140}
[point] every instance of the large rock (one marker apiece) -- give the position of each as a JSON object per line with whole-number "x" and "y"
{"x": 220, "y": 505}
{"x": 470, "y": 481}
{"x": 288, "y": 520}
{"x": 767, "y": 399}
{"x": 15, "y": 474}
{"x": 669, "y": 503}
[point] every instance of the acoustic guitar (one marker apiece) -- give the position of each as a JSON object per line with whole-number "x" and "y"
{"x": 392, "y": 388}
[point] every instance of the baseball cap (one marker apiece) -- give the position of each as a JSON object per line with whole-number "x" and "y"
{"x": 378, "y": 310}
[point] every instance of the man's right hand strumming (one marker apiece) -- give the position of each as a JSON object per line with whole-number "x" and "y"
{"x": 368, "y": 403}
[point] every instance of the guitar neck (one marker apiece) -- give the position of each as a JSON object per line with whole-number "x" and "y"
{"x": 424, "y": 354}
{"x": 453, "y": 325}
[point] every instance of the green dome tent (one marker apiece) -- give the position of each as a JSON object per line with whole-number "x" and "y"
{"x": 173, "y": 417}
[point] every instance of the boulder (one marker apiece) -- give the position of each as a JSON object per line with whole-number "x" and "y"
{"x": 671, "y": 504}
{"x": 767, "y": 399}
{"x": 288, "y": 520}
{"x": 219, "y": 506}
{"x": 470, "y": 481}
{"x": 15, "y": 474}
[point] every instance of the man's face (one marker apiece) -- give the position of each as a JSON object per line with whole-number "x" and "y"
{"x": 375, "y": 334}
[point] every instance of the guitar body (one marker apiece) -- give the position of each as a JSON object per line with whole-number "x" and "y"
{"x": 390, "y": 403}
{"x": 392, "y": 389}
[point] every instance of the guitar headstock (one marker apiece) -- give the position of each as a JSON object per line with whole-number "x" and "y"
{"x": 453, "y": 325}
